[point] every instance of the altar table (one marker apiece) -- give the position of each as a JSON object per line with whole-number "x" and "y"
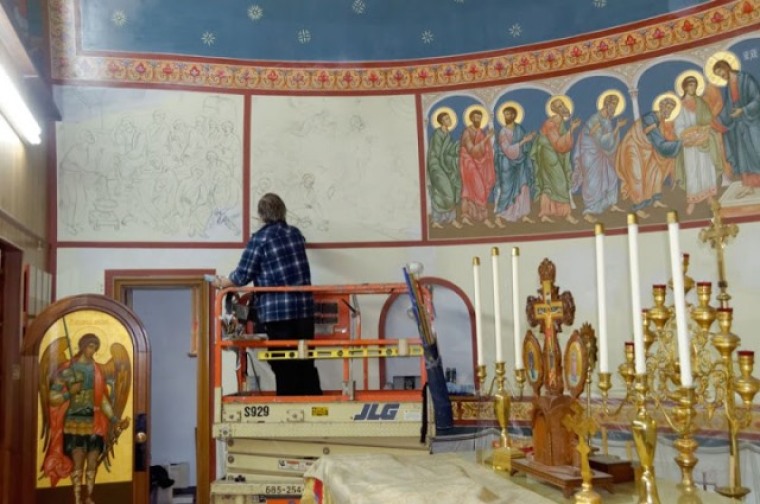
{"x": 451, "y": 478}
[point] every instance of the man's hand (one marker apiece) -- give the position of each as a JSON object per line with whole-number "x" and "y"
{"x": 75, "y": 388}
{"x": 736, "y": 113}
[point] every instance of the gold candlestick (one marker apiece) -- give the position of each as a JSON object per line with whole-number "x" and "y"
{"x": 520, "y": 377}
{"x": 481, "y": 375}
{"x": 738, "y": 417}
{"x": 686, "y": 445}
{"x": 627, "y": 369}
{"x": 645, "y": 436}
{"x": 502, "y": 404}
{"x": 659, "y": 313}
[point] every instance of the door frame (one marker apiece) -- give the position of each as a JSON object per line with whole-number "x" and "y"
{"x": 11, "y": 398}
{"x": 118, "y": 285}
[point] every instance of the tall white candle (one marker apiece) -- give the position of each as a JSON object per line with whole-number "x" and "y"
{"x": 638, "y": 330}
{"x": 516, "y": 309}
{"x": 497, "y": 304}
{"x": 478, "y": 311}
{"x": 679, "y": 300}
{"x": 601, "y": 294}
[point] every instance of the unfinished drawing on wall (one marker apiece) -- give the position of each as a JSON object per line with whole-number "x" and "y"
{"x": 146, "y": 165}
{"x": 347, "y": 169}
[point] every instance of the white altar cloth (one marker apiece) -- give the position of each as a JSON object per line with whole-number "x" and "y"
{"x": 436, "y": 479}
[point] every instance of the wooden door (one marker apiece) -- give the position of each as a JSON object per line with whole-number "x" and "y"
{"x": 86, "y": 369}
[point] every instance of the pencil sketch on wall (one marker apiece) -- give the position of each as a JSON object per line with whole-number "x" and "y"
{"x": 146, "y": 165}
{"x": 347, "y": 169}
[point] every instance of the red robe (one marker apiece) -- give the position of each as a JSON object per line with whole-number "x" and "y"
{"x": 476, "y": 166}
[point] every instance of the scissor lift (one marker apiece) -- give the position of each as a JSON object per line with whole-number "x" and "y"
{"x": 270, "y": 440}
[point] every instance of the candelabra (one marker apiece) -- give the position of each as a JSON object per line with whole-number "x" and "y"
{"x": 715, "y": 379}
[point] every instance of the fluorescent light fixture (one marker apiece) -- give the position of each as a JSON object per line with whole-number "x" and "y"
{"x": 7, "y": 135}
{"x": 15, "y": 111}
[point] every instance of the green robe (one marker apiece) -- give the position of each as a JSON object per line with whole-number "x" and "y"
{"x": 444, "y": 179}
{"x": 553, "y": 167}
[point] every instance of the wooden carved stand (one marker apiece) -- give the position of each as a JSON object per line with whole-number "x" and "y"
{"x": 549, "y": 368}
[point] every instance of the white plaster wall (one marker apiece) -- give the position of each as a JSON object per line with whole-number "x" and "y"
{"x": 81, "y": 271}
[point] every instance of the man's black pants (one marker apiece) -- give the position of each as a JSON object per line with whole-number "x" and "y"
{"x": 294, "y": 376}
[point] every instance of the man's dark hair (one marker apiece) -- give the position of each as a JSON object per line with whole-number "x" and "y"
{"x": 439, "y": 117}
{"x": 723, "y": 64}
{"x": 271, "y": 208}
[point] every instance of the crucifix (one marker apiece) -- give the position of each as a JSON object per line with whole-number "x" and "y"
{"x": 554, "y": 441}
{"x": 551, "y": 310}
{"x": 718, "y": 235}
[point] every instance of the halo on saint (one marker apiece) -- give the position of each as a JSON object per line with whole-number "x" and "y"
{"x": 612, "y": 92}
{"x": 483, "y": 112}
{"x": 443, "y": 110}
{"x": 676, "y": 109}
{"x": 520, "y": 112}
{"x": 564, "y": 99}
{"x": 728, "y": 57}
{"x": 690, "y": 73}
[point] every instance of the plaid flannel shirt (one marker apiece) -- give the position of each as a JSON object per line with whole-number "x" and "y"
{"x": 276, "y": 256}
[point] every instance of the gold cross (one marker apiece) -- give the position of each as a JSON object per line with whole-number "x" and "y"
{"x": 549, "y": 310}
{"x": 717, "y": 235}
{"x": 583, "y": 426}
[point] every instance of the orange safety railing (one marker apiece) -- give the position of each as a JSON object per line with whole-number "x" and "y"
{"x": 337, "y": 325}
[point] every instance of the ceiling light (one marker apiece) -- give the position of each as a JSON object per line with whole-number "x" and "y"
{"x": 15, "y": 111}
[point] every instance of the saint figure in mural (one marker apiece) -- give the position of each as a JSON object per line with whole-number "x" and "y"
{"x": 476, "y": 166}
{"x": 551, "y": 157}
{"x": 740, "y": 118}
{"x": 700, "y": 160}
{"x": 594, "y": 156}
{"x": 82, "y": 403}
{"x": 514, "y": 168}
{"x": 647, "y": 154}
{"x": 444, "y": 179}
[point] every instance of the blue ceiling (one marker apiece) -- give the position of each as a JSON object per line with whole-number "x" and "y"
{"x": 348, "y": 30}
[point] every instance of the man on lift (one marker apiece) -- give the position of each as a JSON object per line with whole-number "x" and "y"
{"x": 276, "y": 257}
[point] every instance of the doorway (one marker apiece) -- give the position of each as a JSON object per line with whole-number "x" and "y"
{"x": 166, "y": 314}
{"x": 175, "y": 307}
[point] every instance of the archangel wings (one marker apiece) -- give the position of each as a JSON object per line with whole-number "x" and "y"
{"x": 54, "y": 356}
{"x": 118, "y": 375}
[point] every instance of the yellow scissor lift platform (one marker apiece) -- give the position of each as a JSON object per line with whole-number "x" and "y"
{"x": 271, "y": 441}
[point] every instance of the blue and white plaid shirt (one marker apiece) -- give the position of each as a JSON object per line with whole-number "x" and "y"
{"x": 276, "y": 256}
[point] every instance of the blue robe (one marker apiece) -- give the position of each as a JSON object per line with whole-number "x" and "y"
{"x": 594, "y": 164}
{"x": 513, "y": 174}
{"x": 742, "y": 138}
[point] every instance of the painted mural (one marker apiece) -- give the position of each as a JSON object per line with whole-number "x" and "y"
{"x": 148, "y": 165}
{"x": 544, "y": 139}
{"x": 678, "y": 134}
{"x": 85, "y": 405}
